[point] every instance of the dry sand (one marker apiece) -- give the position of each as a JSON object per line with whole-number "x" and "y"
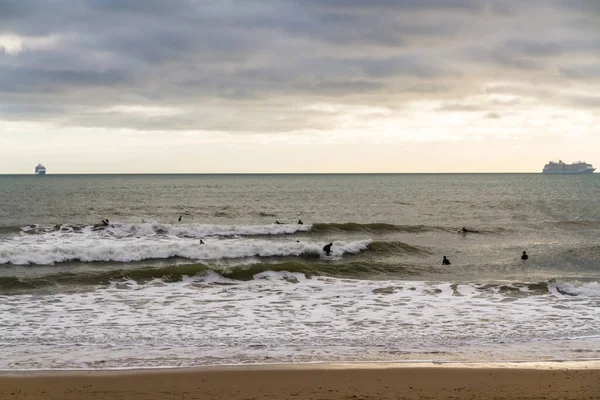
{"x": 308, "y": 382}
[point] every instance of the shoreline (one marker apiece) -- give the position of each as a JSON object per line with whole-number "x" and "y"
{"x": 588, "y": 364}
{"x": 550, "y": 381}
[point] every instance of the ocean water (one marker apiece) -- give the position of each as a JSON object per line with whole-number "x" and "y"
{"x": 144, "y": 292}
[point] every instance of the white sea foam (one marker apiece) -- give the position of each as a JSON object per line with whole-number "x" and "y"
{"x": 591, "y": 289}
{"x": 208, "y": 319}
{"x": 56, "y": 247}
{"x": 119, "y": 230}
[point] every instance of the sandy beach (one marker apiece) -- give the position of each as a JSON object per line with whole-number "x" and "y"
{"x": 309, "y": 383}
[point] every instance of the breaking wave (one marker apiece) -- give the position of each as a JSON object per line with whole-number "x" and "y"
{"x": 175, "y": 273}
{"x": 133, "y": 249}
{"x": 119, "y": 230}
{"x": 292, "y": 272}
{"x": 123, "y": 230}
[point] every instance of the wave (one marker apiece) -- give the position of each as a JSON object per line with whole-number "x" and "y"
{"x": 576, "y": 288}
{"x": 120, "y": 230}
{"x": 239, "y": 273}
{"x": 292, "y": 272}
{"x": 377, "y": 228}
{"x": 398, "y": 248}
{"x": 48, "y": 252}
{"x": 577, "y": 224}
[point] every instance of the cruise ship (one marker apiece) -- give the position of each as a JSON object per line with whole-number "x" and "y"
{"x": 580, "y": 167}
{"x": 40, "y": 169}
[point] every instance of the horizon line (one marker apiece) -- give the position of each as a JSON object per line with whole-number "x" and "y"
{"x": 281, "y": 173}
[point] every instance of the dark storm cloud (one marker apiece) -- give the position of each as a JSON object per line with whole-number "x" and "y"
{"x": 255, "y": 55}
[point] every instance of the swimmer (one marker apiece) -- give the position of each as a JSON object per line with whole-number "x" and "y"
{"x": 524, "y": 256}
{"x": 445, "y": 261}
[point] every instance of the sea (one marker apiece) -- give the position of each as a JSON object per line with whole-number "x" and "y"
{"x": 228, "y": 285}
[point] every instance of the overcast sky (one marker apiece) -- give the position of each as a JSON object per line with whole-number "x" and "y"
{"x": 298, "y": 85}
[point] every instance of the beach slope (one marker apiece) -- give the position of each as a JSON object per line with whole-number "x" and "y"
{"x": 304, "y": 383}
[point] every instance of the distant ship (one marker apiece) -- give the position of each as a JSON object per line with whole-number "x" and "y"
{"x": 40, "y": 169}
{"x": 560, "y": 167}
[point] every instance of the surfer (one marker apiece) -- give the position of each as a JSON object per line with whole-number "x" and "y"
{"x": 465, "y": 230}
{"x": 300, "y": 222}
{"x": 179, "y": 218}
{"x": 327, "y": 249}
{"x": 524, "y": 256}
{"x": 201, "y": 241}
{"x": 105, "y": 222}
{"x": 445, "y": 261}
{"x": 277, "y": 222}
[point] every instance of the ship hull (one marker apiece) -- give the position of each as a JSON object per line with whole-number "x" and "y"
{"x": 580, "y": 172}
{"x": 41, "y": 173}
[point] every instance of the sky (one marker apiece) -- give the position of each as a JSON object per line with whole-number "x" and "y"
{"x": 291, "y": 86}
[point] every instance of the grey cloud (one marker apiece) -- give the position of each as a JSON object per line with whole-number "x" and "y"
{"x": 584, "y": 72}
{"x": 532, "y": 48}
{"x": 152, "y": 7}
{"x": 341, "y": 88}
{"x": 413, "y": 65}
{"x": 397, "y": 4}
{"x": 237, "y": 53}
{"x": 31, "y": 80}
{"x": 505, "y": 59}
{"x": 23, "y": 111}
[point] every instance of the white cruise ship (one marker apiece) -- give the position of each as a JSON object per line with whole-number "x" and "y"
{"x": 40, "y": 169}
{"x": 560, "y": 167}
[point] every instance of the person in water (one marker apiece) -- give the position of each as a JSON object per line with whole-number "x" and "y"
{"x": 524, "y": 256}
{"x": 327, "y": 249}
{"x": 277, "y": 222}
{"x": 300, "y": 222}
{"x": 465, "y": 230}
{"x": 105, "y": 222}
{"x": 445, "y": 261}
{"x": 179, "y": 218}
{"x": 201, "y": 241}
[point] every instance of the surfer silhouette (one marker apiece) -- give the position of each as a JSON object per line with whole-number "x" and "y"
{"x": 327, "y": 249}
{"x": 445, "y": 261}
{"x": 105, "y": 222}
{"x": 524, "y": 256}
{"x": 300, "y": 222}
{"x": 277, "y": 222}
{"x": 465, "y": 230}
{"x": 201, "y": 241}
{"x": 179, "y": 218}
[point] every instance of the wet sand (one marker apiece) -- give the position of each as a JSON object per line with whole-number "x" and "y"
{"x": 308, "y": 382}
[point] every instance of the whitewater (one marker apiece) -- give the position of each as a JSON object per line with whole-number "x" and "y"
{"x": 227, "y": 285}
